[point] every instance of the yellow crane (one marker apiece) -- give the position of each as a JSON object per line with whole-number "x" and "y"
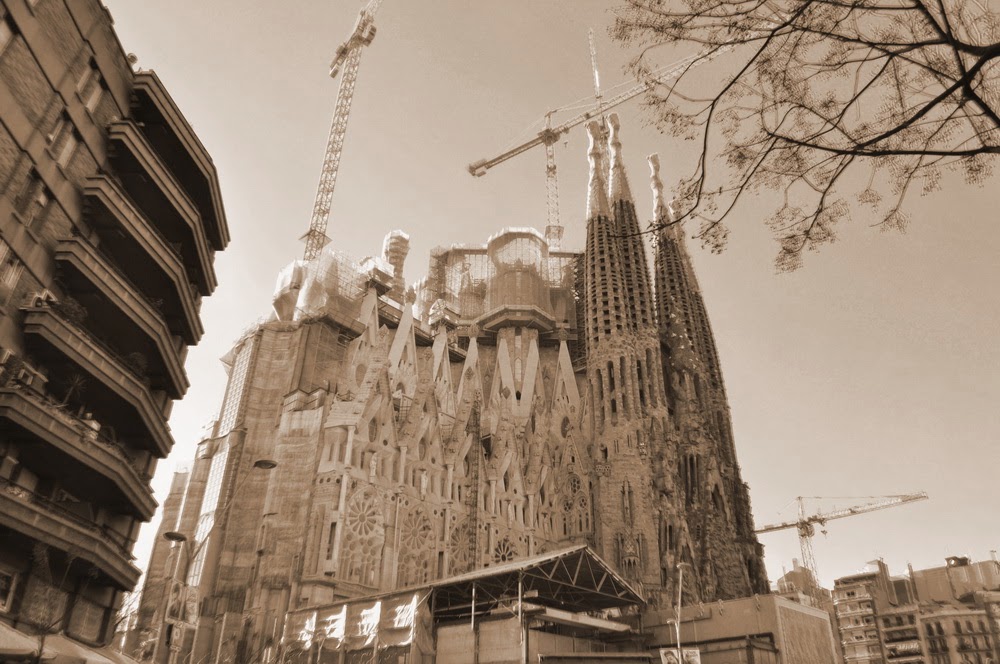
{"x": 806, "y": 524}
{"x": 346, "y": 63}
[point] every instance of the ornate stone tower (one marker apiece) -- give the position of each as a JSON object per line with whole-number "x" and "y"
{"x": 623, "y": 362}
{"x": 713, "y": 528}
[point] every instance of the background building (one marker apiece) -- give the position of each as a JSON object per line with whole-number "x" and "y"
{"x": 519, "y": 398}
{"x": 857, "y": 601}
{"x": 110, "y": 215}
{"x": 766, "y": 629}
{"x": 800, "y": 585}
{"x": 921, "y": 618}
{"x": 956, "y": 580}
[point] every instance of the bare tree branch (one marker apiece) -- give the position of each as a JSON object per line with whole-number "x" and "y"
{"x": 818, "y": 92}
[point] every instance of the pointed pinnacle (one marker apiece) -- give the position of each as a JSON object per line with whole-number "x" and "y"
{"x": 597, "y": 200}
{"x": 619, "y": 189}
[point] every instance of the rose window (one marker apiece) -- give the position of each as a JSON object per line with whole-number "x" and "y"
{"x": 504, "y": 551}
{"x": 417, "y": 530}
{"x": 460, "y": 547}
{"x": 363, "y": 515}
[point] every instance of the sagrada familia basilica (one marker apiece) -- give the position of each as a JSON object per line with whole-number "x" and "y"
{"x": 517, "y": 399}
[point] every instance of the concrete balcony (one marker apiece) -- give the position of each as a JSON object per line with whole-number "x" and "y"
{"x": 861, "y": 626}
{"x": 55, "y": 443}
{"x": 40, "y": 519}
{"x": 121, "y": 310}
{"x": 116, "y": 395}
{"x": 840, "y": 596}
{"x": 136, "y": 246}
{"x": 158, "y": 194}
{"x": 912, "y": 654}
{"x": 174, "y": 140}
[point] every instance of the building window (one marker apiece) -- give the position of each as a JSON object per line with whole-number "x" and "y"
{"x": 233, "y": 400}
{"x": 8, "y": 584}
{"x": 209, "y": 506}
{"x": 32, "y": 200}
{"x": 10, "y": 267}
{"x": 63, "y": 140}
{"x": 6, "y": 32}
{"x": 89, "y": 86}
{"x": 331, "y": 540}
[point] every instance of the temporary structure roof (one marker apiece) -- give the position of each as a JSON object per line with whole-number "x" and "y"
{"x": 573, "y": 579}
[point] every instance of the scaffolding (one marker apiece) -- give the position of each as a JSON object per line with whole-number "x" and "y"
{"x": 514, "y": 268}
{"x": 332, "y": 284}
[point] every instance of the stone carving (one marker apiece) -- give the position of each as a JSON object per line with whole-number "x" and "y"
{"x": 416, "y": 549}
{"x": 460, "y": 548}
{"x": 504, "y": 551}
{"x": 361, "y": 551}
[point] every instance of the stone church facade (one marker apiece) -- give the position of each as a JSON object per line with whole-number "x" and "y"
{"x": 523, "y": 398}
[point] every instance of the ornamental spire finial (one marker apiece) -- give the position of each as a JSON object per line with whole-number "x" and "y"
{"x": 660, "y": 209}
{"x": 619, "y": 188}
{"x": 597, "y": 200}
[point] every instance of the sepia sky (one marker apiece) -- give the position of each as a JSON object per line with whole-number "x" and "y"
{"x": 873, "y": 370}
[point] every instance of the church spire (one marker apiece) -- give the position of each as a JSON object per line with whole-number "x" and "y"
{"x": 681, "y": 314}
{"x": 605, "y": 288}
{"x": 635, "y": 266}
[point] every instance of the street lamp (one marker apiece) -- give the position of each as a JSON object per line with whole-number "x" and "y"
{"x": 181, "y": 538}
{"x": 680, "y": 595}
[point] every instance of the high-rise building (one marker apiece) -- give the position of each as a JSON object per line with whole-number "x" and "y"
{"x": 518, "y": 399}
{"x": 922, "y": 618}
{"x": 110, "y": 215}
{"x": 858, "y": 600}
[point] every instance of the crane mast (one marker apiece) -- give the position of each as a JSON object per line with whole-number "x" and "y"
{"x": 805, "y": 524}
{"x": 346, "y": 63}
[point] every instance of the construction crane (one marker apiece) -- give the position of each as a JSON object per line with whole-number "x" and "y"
{"x": 550, "y": 135}
{"x": 346, "y": 63}
{"x": 806, "y": 524}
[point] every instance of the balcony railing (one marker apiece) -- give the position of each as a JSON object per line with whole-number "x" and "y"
{"x": 58, "y": 328}
{"x": 115, "y": 540}
{"x": 136, "y": 216}
{"x": 90, "y": 431}
{"x": 84, "y": 259}
{"x": 114, "y": 209}
{"x": 74, "y": 317}
{"x": 195, "y": 246}
{"x": 102, "y": 546}
{"x": 156, "y": 304}
{"x": 840, "y": 596}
